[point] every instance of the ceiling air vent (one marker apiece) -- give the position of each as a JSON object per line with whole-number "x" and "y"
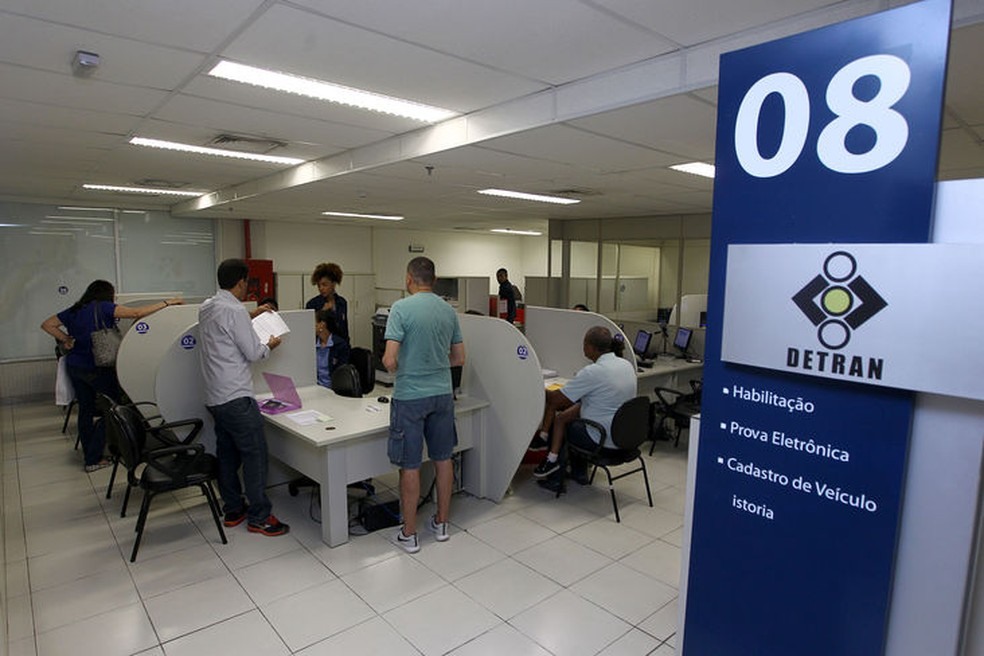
{"x": 247, "y": 144}
{"x": 574, "y": 193}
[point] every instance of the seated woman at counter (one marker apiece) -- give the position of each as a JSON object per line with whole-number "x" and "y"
{"x": 73, "y": 328}
{"x": 327, "y": 276}
{"x": 332, "y": 349}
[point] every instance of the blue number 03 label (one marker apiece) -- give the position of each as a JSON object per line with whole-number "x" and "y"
{"x": 889, "y": 126}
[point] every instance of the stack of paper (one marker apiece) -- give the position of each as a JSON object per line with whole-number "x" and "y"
{"x": 269, "y": 324}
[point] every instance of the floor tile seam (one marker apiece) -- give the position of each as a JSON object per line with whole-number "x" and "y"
{"x": 480, "y": 569}
{"x": 522, "y": 610}
{"x": 382, "y": 617}
{"x": 162, "y": 643}
{"x": 273, "y": 626}
{"x": 357, "y": 624}
{"x": 75, "y": 620}
{"x": 580, "y": 578}
{"x": 527, "y": 635}
{"x": 649, "y": 576}
{"x": 270, "y": 602}
{"x": 600, "y": 607}
{"x": 22, "y": 539}
{"x": 602, "y": 553}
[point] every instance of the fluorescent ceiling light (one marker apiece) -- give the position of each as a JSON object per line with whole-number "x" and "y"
{"x": 321, "y": 90}
{"x": 86, "y": 209}
{"x": 142, "y": 190}
{"x": 505, "y": 193}
{"x": 216, "y": 152}
{"x": 695, "y": 168}
{"x": 510, "y": 231}
{"x": 10, "y": 225}
{"x": 351, "y": 215}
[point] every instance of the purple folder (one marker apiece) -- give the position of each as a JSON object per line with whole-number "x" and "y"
{"x": 285, "y": 397}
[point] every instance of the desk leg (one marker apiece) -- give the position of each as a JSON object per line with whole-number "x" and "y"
{"x": 334, "y": 498}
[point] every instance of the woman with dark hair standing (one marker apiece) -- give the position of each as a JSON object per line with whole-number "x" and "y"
{"x": 72, "y": 329}
{"x": 326, "y": 276}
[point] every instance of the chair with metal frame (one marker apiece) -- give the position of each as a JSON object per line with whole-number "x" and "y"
{"x": 165, "y": 469}
{"x": 630, "y": 428}
{"x": 672, "y": 411}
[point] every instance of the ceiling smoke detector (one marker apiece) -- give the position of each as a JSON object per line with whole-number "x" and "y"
{"x": 84, "y": 63}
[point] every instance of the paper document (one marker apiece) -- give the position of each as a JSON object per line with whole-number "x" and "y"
{"x": 307, "y": 417}
{"x": 269, "y": 324}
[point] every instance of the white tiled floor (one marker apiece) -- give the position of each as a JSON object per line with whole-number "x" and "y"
{"x": 533, "y": 575}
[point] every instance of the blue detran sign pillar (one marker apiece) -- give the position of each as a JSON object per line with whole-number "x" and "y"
{"x": 828, "y": 136}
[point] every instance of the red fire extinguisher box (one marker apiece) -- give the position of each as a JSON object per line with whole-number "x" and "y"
{"x": 260, "y": 284}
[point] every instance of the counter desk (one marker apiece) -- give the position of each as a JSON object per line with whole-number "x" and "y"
{"x": 350, "y": 446}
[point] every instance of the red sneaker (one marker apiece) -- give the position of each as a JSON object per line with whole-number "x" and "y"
{"x": 270, "y": 527}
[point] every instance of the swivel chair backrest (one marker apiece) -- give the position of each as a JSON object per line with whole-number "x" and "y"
{"x": 630, "y": 425}
{"x": 345, "y": 381}
{"x": 361, "y": 359}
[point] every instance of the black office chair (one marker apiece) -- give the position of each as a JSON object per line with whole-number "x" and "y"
{"x": 630, "y": 428}
{"x": 672, "y": 411}
{"x": 166, "y": 469}
{"x": 345, "y": 381}
{"x": 158, "y": 434}
{"x": 361, "y": 359}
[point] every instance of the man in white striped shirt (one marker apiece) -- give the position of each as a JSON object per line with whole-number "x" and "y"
{"x": 229, "y": 345}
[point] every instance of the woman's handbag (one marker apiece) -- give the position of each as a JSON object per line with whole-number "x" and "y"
{"x": 105, "y": 342}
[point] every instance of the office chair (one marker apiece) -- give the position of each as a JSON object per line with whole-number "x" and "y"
{"x": 361, "y": 359}
{"x": 672, "y": 410}
{"x": 166, "y": 469}
{"x": 630, "y": 428}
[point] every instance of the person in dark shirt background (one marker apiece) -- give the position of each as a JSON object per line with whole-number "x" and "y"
{"x": 327, "y": 276}
{"x": 507, "y": 293}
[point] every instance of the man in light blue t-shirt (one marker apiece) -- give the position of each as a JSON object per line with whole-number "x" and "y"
{"x": 596, "y": 393}
{"x": 423, "y": 342}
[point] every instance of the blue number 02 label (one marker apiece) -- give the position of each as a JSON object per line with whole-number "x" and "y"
{"x": 889, "y": 126}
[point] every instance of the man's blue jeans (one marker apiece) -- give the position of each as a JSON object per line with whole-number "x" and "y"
{"x": 240, "y": 442}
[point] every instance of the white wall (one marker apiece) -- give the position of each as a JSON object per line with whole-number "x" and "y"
{"x": 454, "y": 254}
{"x": 299, "y": 247}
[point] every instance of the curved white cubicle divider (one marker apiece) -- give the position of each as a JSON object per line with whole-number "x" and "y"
{"x": 502, "y": 368}
{"x": 179, "y": 388}
{"x": 558, "y": 336}
{"x": 144, "y": 346}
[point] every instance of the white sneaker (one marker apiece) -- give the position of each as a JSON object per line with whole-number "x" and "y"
{"x": 406, "y": 542}
{"x": 439, "y": 529}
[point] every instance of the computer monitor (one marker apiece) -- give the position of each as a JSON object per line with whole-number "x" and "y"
{"x": 641, "y": 344}
{"x": 663, "y": 314}
{"x": 682, "y": 339}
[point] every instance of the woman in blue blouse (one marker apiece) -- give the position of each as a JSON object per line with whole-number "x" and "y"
{"x": 331, "y": 348}
{"x": 327, "y": 276}
{"x": 72, "y": 329}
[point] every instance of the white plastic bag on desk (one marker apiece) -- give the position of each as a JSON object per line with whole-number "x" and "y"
{"x": 64, "y": 392}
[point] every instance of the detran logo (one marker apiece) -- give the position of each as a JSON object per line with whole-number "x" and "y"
{"x": 522, "y": 352}
{"x": 142, "y": 328}
{"x": 838, "y": 301}
{"x": 188, "y": 342}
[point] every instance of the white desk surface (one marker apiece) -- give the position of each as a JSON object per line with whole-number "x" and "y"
{"x": 663, "y": 366}
{"x": 351, "y": 418}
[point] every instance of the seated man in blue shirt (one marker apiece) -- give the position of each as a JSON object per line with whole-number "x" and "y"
{"x": 331, "y": 348}
{"x": 596, "y": 392}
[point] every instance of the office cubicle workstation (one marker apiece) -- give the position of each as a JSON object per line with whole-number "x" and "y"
{"x": 499, "y": 406}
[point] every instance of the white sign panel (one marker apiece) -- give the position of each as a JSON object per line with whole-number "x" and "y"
{"x": 908, "y": 316}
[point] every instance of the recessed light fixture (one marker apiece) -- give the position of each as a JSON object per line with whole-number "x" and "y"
{"x": 352, "y": 215}
{"x": 142, "y": 190}
{"x": 539, "y": 198}
{"x": 510, "y": 231}
{"x": 86, "y": 209}
{"x": 321, "y": 90}
{"x": 215, "y": 152}
{"x": 695, "y": 168}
